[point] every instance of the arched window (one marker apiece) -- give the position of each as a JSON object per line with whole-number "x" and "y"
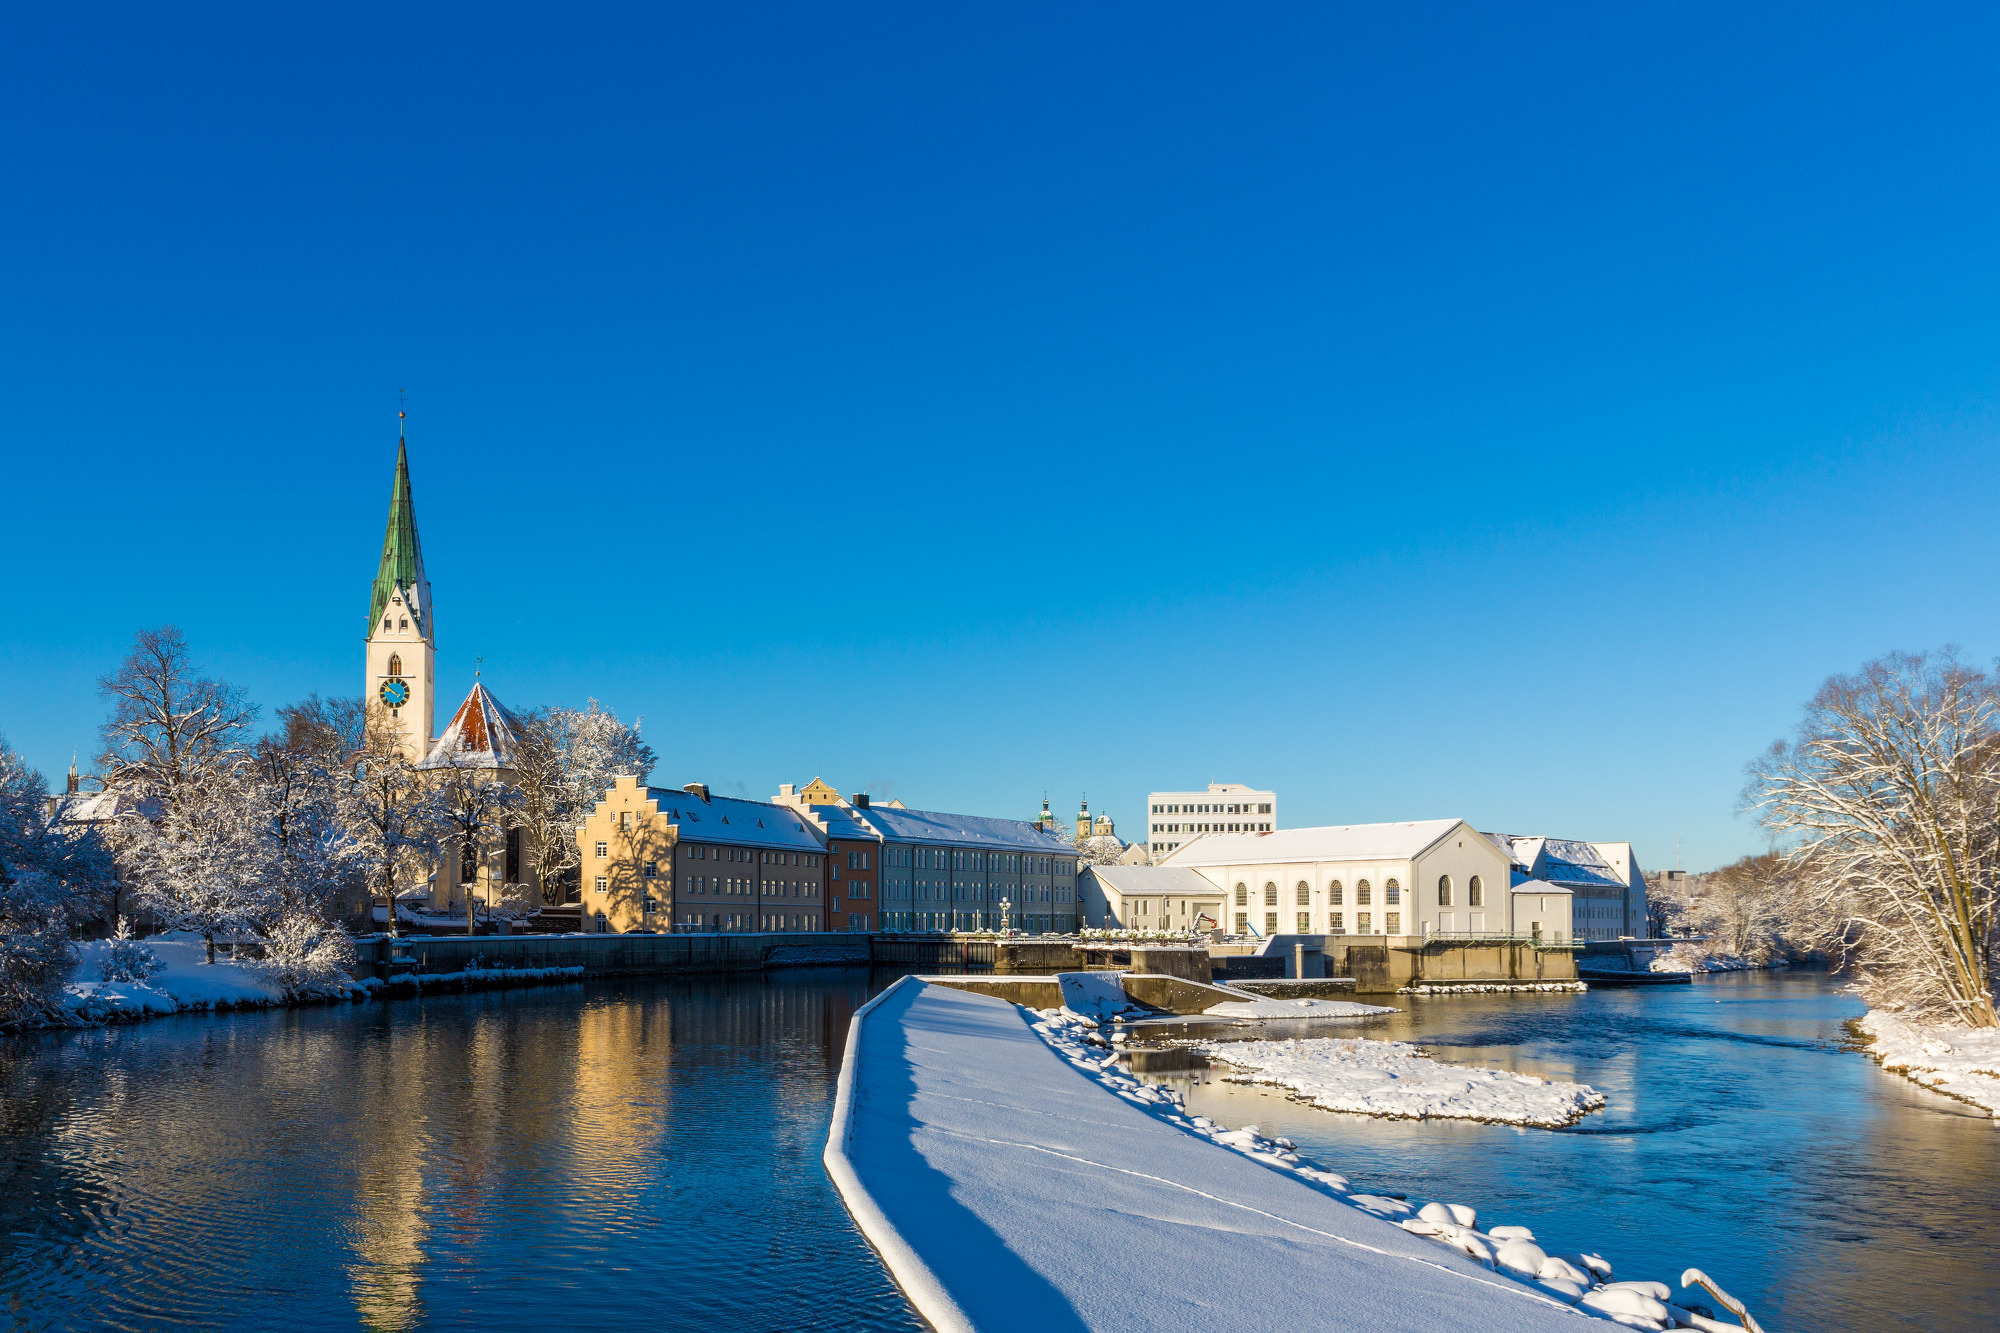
{"x": 1475, "y": 894}
{"x": 1444, "y": 890}
{"x": 395, "y": 664}
{"x": 1361, "y": 896}
{"x": 1333, "y": 892}
{"x": 1305, "y": 893}
{"x": 1392, "y": 893}
{"x": 1242, "y": 896}
{"x": 1270, "y": 895}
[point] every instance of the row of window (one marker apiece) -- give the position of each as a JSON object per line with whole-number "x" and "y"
{"x": 1240, "y": 808}
{"x": 1392, "y": 893}
{"x": 1264, "y": 827}
{"x": 1336, "y": 923}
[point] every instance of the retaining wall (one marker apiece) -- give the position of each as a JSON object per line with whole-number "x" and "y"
{"x": 615, "y": 955}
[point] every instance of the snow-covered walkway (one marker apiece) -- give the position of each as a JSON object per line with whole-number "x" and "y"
{"x": 1008, "y": 1189}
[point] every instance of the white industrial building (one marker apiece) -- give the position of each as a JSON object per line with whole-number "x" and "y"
{"x": 1438, "y": 878}
{"x": 1174, "y": 817}
{"x": 1606, "y": 888}
{"x": 1139, "y": 897}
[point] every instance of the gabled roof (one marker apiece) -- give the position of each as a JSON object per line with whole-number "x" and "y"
{"x": 1013, "y": 835}
{"x": 1338, "y": 842}
{"x": 1541, "y": 886}
{"x": 402, "y": 567}
{"x": 1154, "y": 880}
{"x": 1566, "y": 861}
{"x": 482, "y": 734}
{"x": 733, "y": 820}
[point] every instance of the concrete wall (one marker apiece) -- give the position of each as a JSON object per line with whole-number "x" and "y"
{"x": 613, "y": 955}
{"x": 1392, "y": 964}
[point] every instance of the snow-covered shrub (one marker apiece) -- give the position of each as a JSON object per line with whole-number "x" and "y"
{"x": 128, "y": 959}
{"x": 51, "y": 877}
{"x": 306, "y": 955}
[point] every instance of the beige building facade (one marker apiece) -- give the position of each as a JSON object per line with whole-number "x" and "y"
{"x": 666, "y": 859}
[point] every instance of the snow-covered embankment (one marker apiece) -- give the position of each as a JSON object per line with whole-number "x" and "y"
{"x": 1958, "y": 1062}
{"x": 1011, "y": 1177}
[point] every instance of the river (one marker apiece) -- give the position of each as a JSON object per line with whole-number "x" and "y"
{"x": 645, "y": 1154}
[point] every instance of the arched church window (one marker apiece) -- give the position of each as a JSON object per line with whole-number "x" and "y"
{"x": 1242, "y": 896}
{"x": 395, "y": 664}
{"x": 1361, "y": 894}
{"x": 1305, "y": 893}
{"x": 1475, "y": 893}
{"x": 1271, "y": 895}
{"x": 1444, "y": 890}
{"x": 1392, "y": 893}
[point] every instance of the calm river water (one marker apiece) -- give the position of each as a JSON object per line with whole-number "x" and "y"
{"x": 646, "y": 1155}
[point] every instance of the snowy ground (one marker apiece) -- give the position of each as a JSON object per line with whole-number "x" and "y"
{"x": 184, "y": 983}
{"x": 1695, "y": 958}
{"x": 1395, "y": 1079}
{"x": 1272, "y": 1007}
{"x": 1012, "y": 1177}
{"x": 1958, "y": 1062}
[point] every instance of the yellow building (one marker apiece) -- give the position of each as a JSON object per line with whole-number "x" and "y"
{"x": 656, "y": 858}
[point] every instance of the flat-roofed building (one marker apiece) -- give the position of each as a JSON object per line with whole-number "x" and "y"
{"x": 657, "y": 858}
{"x": 1174, "y": 817}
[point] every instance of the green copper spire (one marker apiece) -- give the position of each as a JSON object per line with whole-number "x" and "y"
{"x": 402, "y": 567}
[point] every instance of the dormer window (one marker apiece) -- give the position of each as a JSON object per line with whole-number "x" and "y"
{"x": 395, "y": 664}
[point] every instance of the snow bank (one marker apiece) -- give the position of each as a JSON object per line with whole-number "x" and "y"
{"x": 1011, "y": 1180}
{"x": 1694, "y": 958}
{"x": 1491, "y": 987}
{"x": 1958, "y": 1062}
{"x": 184, "y": 981}
{"x": 1269, "y": 1007}
{"x": 1098, "y": 996}
{"x": 1397, "y": 1080}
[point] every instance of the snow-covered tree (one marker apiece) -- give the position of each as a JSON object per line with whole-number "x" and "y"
{"x": 169, "y": 724}
{"x": 127, "y": 959}
{"x": 303, "y": 772}
{"x": 391, "y": 815}
{"x": 52, "y": 877}
{"x": 567, "y": 758}
{"x": 473, "y": 806}
{"x": 208, "y": 865}
{"x": 306, "y": 954}
{"x": 1888, "y": 797}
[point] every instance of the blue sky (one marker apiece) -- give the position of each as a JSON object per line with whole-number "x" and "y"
{"x": 1509, "y": 413}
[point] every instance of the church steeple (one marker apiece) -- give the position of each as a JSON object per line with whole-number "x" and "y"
{"x": 402, "y": 639}
{"x": 402, "y": 567}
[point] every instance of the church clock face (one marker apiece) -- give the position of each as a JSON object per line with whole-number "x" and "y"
{"x": 395, "y": 693}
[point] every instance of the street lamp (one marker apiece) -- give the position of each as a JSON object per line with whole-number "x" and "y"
{"x": 1005, "y": 906}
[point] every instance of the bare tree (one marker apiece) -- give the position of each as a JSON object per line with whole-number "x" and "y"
{"x": 390, "y": 812}
{"x": 1889, "y": 798}
{"x": 303, "y": 772}
{"x": 567, "y": 758}
{"x": 169, "y": 723}
{"x": 473, "y": 802}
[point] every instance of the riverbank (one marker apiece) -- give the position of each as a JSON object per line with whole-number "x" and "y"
{"x": 1010, "y": 1176}
{"x": 1959, "y": 1062}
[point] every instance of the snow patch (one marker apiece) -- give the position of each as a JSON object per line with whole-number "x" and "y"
{"x": 1397, "y": 1080}
{"x": 1272, "y": 1007}
{"x": 1491, "y": 988}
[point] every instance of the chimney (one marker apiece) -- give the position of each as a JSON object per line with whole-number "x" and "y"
{"x": 697, "y": 789}
{"x": 860, "y": 800}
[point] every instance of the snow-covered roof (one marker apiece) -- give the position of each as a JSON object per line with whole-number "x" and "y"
{"x": 839, "y": 822}
{"x": 1540, "y": 886}
{"x": 1014, "y": 835}
{"x": 1338, "y": 842}
{"x": 94, "y": 807}
{"x": 482, "y": 734}
{"x": 1153, "y": 880}
{"x": 732, "y": 820}
{"x": 1566, "y": 861}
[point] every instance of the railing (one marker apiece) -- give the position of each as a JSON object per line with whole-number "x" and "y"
{"x": 1485, "y": 937}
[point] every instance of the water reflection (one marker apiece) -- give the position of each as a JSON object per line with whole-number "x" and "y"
{"x": 628, "y": 1155}
{"x": 1742, "y": 1135}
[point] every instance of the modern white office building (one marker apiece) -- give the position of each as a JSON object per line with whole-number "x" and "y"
{"x": 1174, "y": 817}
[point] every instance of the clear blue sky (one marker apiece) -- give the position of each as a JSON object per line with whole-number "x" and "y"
{"x": 1427, "y": 411}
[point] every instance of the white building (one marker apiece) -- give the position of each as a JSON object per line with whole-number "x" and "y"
{"x": 1606, "y": 887}
{"x": 1173, "y": 817}
{"x": 1438, "y": 877}
{"x": 1135, "y": 897}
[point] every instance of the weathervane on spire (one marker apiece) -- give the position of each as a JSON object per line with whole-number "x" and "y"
{"x": 477, "y": 663}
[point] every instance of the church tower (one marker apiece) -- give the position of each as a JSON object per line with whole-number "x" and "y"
{"x": 1083, "y": 820}
{"x": 402, "y": 643}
